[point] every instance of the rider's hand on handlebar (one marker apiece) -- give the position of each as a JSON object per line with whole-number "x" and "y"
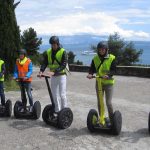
{"x": 105, "y": 77}
{"x": 89, "y": 76}
{"x": 25, "y": 78}
{"x": 40, "y": 74}
{"x": 50, "y": 73}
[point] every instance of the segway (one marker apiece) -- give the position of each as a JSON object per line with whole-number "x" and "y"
{"x": 62, "y": 119}
{"x": 94, "y": 120}
{"x": 6, "y": 110}
{"x": 26, "y": 114}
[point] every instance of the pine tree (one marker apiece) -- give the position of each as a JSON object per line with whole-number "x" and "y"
{"x": 30, "y": 41}
{"x": 9, "y": 33}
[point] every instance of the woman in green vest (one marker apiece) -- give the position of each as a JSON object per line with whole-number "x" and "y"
{"x": 104, "y": 65}
{"x": 2, "y": 71}
{"x": 56, "y": 59}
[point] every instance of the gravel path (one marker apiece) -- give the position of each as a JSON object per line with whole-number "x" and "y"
{"x": 131, "y": 97}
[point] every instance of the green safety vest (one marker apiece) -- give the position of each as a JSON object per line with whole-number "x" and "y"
{"x": 1, "y": 63}
{"x": 55, "y": 64}
{"x": 104, "y": 68}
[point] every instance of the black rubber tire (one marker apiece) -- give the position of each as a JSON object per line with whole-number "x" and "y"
{"x": 48, "y": 110}
{"x": 117, "y": 123}
{"x": 65, "y": 118}
{"x": 8, "y": 108}
{"x": 37, "y": 110}
{"x": 16, "y": 112}
{"x": 149, "y": 123}
{"x": 90, "y": 125}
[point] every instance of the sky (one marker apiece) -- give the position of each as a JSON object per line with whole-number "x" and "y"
{"x": 130, "y": 18}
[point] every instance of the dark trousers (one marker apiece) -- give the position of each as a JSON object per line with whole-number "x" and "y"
{"x": 2, "y": 95}
{"x": 25, "y": 87}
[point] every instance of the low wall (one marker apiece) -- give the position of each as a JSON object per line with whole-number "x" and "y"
{"x": 121, "y": 70}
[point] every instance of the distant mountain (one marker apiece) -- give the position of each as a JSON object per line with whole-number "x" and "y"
{"x": 81, "y": 43}
{"x": 76, "y": 39}
{"x": 74, "y": 42}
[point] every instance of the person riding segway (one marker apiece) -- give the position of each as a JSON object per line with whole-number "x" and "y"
{"x": 23, "y": 75}
{"x": 5, "y": 107}
{"x": 103, "y": 64}
{"x": 57, "y": 113}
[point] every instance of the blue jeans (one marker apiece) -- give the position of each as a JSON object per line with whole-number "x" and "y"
{"x": 2, "y": 95}
{"x": 25, "y": 87}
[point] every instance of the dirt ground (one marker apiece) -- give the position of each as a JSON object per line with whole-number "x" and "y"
{"x": 131, "y": 97}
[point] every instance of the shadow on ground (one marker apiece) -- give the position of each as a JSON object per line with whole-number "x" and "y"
{"x": 134, "y": 136}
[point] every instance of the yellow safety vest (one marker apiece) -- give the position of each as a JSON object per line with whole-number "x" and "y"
{"x": 1, "y": 63}
{"x": 55, "y": 64}
{"x": 104, "y": 68}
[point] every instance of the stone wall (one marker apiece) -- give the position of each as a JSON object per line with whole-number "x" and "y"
{"x": 121, "y": 70}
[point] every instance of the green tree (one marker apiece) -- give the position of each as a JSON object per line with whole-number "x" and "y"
{"x": 125, "y": 52}
{"x": 130, "y": 54}
{"x": 9, "y": 33}
{"x": 71, "y": 57}
{"x": 31, "y": 42}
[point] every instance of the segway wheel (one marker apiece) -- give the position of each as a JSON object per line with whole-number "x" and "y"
{"x": 47, "y": 114}
{"x": 65, "y": 118}
{"x": 92, "y": 119}
{"x": 8, "y": 107}
{"x": 149, "y": 123}
{"x": 16, "y": 106}
{"x": 37, "y": 110}
{"x": 117, "y": 123}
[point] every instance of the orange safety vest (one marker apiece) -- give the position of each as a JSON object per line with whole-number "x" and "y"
{"x": 23, "y": 69}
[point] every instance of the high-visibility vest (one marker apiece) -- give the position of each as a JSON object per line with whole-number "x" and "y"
{"x": 1, "y": 63}
{"x": 53, "y": 66}
{"x": 104, "y": 68}
{"x": 23, "y": 69}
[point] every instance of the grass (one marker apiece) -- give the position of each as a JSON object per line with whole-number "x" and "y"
{"x": 11, "y": 85}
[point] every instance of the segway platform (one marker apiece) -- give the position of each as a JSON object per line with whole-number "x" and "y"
{"x": 113, "y": 128}
{"x": 27, "y": 114}
{"x": 5, "y": 111}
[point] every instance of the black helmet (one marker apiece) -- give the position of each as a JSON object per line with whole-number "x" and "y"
{"x": 54, "y": 39}
{"x": 102, "y": 45}
{"x": 23, "y": 51}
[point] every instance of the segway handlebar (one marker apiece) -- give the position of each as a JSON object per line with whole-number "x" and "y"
{"x": 101, "y": 77}
{"x": 19, "y": 79}
{"x": 43, "y": 75}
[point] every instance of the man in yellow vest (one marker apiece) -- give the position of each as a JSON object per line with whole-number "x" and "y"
{"x": 56, "y": 60}
{"x": 2, "y": 71}
{"x": 104, "y": 65}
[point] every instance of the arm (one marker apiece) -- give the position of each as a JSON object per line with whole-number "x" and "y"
{"x": 15, "y": 75}
{"x": 62, "y": 64}
{"x": 45, "y": 63}
{"x": 30, "y": 70}
{"x": 3, "y": 70}
{"x": 92, "y": 69}
{"x": 112, "y": 68}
